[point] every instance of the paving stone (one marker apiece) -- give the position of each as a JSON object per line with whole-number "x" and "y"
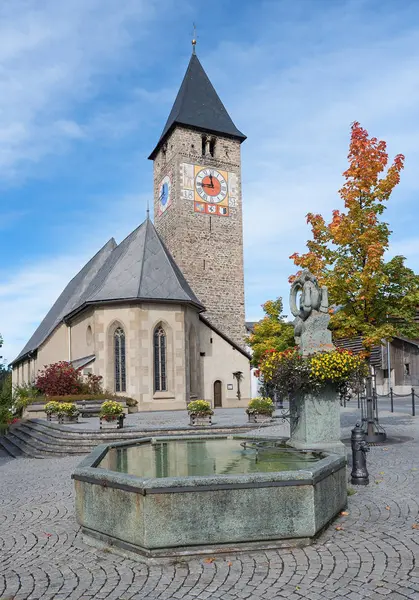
{"x": 42, "y": 555}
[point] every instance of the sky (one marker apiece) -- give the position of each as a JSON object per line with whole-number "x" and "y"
{"x": 86, "y": 87}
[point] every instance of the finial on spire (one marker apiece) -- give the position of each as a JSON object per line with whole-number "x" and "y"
{"x": 148, "y": 209}
{"x": 193, "y": 39}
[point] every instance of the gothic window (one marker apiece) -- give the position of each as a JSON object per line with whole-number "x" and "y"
{"x": 204, "y": 145}
{"x": 119, "y": 348}
{"x": 160, "y": 360}
{"x": 212, "y": 146}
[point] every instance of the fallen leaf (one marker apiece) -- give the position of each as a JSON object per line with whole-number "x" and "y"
{"x": 297, "y": 587}
{"x": 381, "y": 473}
{"x": 415, "y": 526}
{"x": 377, "y": 481}
{"x": 339, "y": 528}
{"x": 414, "y": 469}
{"x": 230, "y": 564}
{"x": 209, "y": 560}
{"x": 344, "y": 513}
{"x": 385, "y": 448}
{"x": 48, "y": 534}
{"x": 387, "y": 508}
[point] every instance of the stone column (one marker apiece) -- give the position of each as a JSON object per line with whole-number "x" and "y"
{"x": 315, "y": 421}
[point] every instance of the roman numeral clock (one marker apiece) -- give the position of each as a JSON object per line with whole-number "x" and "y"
{"x": 212, "y": 191}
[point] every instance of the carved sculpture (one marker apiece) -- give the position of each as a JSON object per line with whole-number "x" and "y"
{"x": 312, "y": 315}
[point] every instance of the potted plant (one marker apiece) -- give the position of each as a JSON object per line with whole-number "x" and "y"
{"x": 111, "y": 414}
{"x": 260, "y": 410}
{"x": 67, "y": 412}
{"x": 51, "y": 409}
{"x": 200, "y": 412}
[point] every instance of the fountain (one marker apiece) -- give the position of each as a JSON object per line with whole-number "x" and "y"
{"x": 174, "y": 496}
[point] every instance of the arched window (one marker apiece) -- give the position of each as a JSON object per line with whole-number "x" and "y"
{"x": 119, "y": 347}
{"x": 160, "y": 357}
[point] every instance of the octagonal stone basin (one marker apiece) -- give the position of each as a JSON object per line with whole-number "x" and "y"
{"x": 170, "y": 496}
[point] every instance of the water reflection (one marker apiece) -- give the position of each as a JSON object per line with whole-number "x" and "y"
{"x": 180, "y": 458}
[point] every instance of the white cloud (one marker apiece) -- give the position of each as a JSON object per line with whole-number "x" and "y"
{"x": 52, "y": 55}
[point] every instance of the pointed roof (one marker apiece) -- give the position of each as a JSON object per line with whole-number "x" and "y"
{"x": 69, "y": 298}
{"x": 198, "y": 105}
{"x": 139, "y": 268}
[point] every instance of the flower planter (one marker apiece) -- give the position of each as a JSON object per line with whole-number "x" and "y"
{"x": 116, "y": 422}
{"x": 68, "y": 419}
{"x": 52, "y": 417}
{"x": 255, "y": 417}
{"x": 199, "y": 420}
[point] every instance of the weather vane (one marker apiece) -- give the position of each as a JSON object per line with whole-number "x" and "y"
{"x": 193, "y": 38}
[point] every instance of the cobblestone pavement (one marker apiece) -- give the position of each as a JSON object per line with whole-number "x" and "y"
{"x": 372, "y": 554}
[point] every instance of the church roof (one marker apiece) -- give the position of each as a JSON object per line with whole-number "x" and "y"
{"x": 69, "y": 298}
{"x": 198, "y": 105}
{"x": 139, "y": 268}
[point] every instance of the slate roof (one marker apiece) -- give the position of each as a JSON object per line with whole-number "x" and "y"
{"x": 69, "y": 298}
{"x": 139, "y": 268}
{"x": 198, "y": 105}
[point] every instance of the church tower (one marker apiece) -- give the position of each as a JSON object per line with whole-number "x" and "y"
{"x": 197, "y": 199}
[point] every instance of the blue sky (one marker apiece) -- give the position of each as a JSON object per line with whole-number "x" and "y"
{"x": 86, "y": 87}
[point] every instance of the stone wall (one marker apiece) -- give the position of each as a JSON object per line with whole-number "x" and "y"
{"x": 208, "y": 249}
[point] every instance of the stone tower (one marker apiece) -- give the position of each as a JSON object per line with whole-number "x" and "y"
{"x": 198, "y": 201}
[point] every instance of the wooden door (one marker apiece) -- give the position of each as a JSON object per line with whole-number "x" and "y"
{"x": 217, "y": 394}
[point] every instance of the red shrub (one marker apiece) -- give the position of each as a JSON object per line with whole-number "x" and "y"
{"x": 59, "y": 379}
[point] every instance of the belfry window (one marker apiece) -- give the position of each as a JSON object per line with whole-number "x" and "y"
{"x": 160, "y": 358}
{"x": 119, "y": 349}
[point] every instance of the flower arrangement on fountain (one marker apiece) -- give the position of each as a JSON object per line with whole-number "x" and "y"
{"x": 290, "y": 372}
{"x": 111, "y": 410}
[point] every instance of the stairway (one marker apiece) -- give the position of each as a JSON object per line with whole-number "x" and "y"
{"x": 36, "y": 438}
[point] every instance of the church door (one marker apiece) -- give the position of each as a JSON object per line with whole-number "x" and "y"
{"x": 217, "y": 394}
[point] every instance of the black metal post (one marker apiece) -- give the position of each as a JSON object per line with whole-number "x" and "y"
{"x": 391, "y": 400}
{"x": 358, "y": 400}
{"x": 359, "y": 474}
{"x": 372, "y": 431}
{"x": 413, "y": 403}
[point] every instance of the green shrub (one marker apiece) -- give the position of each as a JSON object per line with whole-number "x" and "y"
{"x": 200, "y": 407}
{"x": 91, "y": 398}
{"x": 262, "y": 406}
{"x": 52, "y": 408}
{"x": 6, "y": 391}
{"x": 67, "y": 408}
{"x": 111, "y": 410}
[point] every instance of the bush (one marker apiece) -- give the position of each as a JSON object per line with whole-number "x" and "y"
{"x": 200, "y": 407}
{"x": 59, "y": 379}
{"x": 52, "y": 408}
{"x": 262, "y": 406}
{"x": 67, "y": 408}
{"x": 6, "y": 391}
{"x": 92, "y": 384}
{"x": 111, "y": 410}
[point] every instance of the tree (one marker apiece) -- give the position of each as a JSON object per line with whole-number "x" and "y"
{"x": 272, "y": 332}
{"x": 376, "y": 299}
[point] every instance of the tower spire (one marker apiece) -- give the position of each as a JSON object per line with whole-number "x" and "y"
{"x": 194, "y": 39}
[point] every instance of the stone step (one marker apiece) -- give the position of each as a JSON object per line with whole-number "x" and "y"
{"x": 47, "y": 445}
{"x": 63, "y": 432}
{"x": 20, "y": 448}
{"x": 9, "y": 448}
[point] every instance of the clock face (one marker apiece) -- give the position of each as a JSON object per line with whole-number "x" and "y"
{"x": 165, "y": 189}
{"x": 211, "y": 185}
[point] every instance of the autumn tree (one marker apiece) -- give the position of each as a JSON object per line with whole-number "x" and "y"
{"x": 272, "y": 332}
{"x": 376, "y": 299}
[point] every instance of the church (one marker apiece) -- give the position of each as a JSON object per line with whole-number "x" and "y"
{"x": 160, "y": 316}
